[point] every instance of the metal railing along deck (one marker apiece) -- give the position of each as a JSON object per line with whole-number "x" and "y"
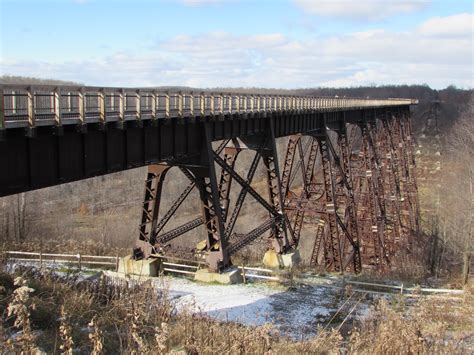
{"x": 39, "y": 105}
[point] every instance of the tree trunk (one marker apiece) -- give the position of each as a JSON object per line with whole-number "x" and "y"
{"x": 434, "y": 250}
{"x": 465, "y": 267}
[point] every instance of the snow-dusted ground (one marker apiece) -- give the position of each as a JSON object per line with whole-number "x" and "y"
{"x": 293, "y": 311}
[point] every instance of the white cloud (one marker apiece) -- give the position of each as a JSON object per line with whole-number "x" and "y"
{"x": 360, "y": 9}
{"x": 275, "y": 60}
{"x": 456, "y": 25}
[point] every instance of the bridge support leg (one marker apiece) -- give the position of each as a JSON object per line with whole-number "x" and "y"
{"x": 327, "y": 194}
{"x": 217, "y": 257}
{"x": 151, "y": 203}
{"x": 333, "y": 241}
{"x": 388, "y": 141}
{"x": 376, "y": 246}
{"x": 346, "y": 214}
{"x": 411, "y": 191}
{"x": 279, "y": 230}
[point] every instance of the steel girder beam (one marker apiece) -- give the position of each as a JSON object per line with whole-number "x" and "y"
{"x": 336, "y": 237}
{"x": 242, "y": 240}
{"x": 218, "y": 219}
{"x": 334, "y": 259}
{"x": 410, "y": 169}
{"x": 150, "y": 240}
{"x": 151, "y": 204}
{"x": 307, "y": 189}
{"x": 318, "y": 243}
{"x": 243, "y": 193}
{"x": 296, "y": 201}
{"x": 375, "y": 253}
{"x": 350, "y": 198}
{"x": 279, "y": 235}
{"x": 217, "y": 253}
{"x": 347, "y": 223}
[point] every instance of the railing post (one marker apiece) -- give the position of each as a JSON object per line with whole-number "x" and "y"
{"x": 121, "y": 106}
{"x": 167, "y": 105}
{"x": 138, "y": 105}
{"x": 191, "y": 104}
{"x": 101, "y": 104}
{"x": 2, "y": 110}
{"x": 57, "y": 106}
{"x": 79, "y": 260}
{"x": 180, "y": 104}
{"x": 211, "y": 109}
{"x": 31, "y": 108}
{"x": 80, "y": 105}
{"x": 153, "y": 105}
{"x": 202, "y": 104}
{"x": 229, "y": 103}
{"x": 237, "y": 106}
{"x": 221, "y": 104}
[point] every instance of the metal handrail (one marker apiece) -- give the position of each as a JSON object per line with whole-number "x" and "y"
{"x": 46, "y": 104}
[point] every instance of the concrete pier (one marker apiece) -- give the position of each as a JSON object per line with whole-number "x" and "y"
{"x": 228, "y": 277}
{"x": 273, "y": 260}
{"x": 143, "y": 267}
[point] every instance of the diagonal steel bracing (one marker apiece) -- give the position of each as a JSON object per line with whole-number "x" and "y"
{"x": 352, "y": 184}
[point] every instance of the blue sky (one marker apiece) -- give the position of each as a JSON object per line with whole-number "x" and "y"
{"x": 208, "y": 43}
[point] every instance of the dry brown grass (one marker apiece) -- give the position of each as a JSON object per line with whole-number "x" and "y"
{"x": 441, "y": 326}
{"x": 98, "y": 317}
{"x": 89, "y": 247}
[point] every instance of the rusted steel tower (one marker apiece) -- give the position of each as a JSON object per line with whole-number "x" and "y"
{"x": 348, "y": 171}
{"x": 359, "y": 192}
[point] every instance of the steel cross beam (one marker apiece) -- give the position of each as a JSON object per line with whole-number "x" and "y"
{"x": 150, "y": 227}
{"x": 366, "y": 226}
{"x": 349, "y": 199}
{"x": 153, "y": 187}
{"x": 346, "y": 194}
{"x": 240, "y": 199}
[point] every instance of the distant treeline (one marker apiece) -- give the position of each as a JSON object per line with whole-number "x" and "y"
{"x": 25, "y": 80}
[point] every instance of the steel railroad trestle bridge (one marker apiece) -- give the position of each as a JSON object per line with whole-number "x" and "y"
{"x": 348, "y": 172}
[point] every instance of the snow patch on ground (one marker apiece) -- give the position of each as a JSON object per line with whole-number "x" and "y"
{"x": 294, "y": 312}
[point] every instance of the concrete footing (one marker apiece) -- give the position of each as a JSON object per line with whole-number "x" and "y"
{"x": 232, "y": 276}
{"x": 273, "y": 260}
{"x": 144, "y": 267}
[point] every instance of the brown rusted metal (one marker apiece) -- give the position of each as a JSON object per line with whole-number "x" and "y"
{"x": 353, "y": 185}
{"x": 360, "y": 199}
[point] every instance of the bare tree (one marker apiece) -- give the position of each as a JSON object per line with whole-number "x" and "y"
{"x": 457, "y": 197}
{"x": 14, "y": 219}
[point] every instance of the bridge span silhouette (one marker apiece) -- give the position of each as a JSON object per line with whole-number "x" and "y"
{"x": 348, "y": 172}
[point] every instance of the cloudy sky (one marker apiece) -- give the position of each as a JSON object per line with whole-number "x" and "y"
{"x": 240, "y": 43}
